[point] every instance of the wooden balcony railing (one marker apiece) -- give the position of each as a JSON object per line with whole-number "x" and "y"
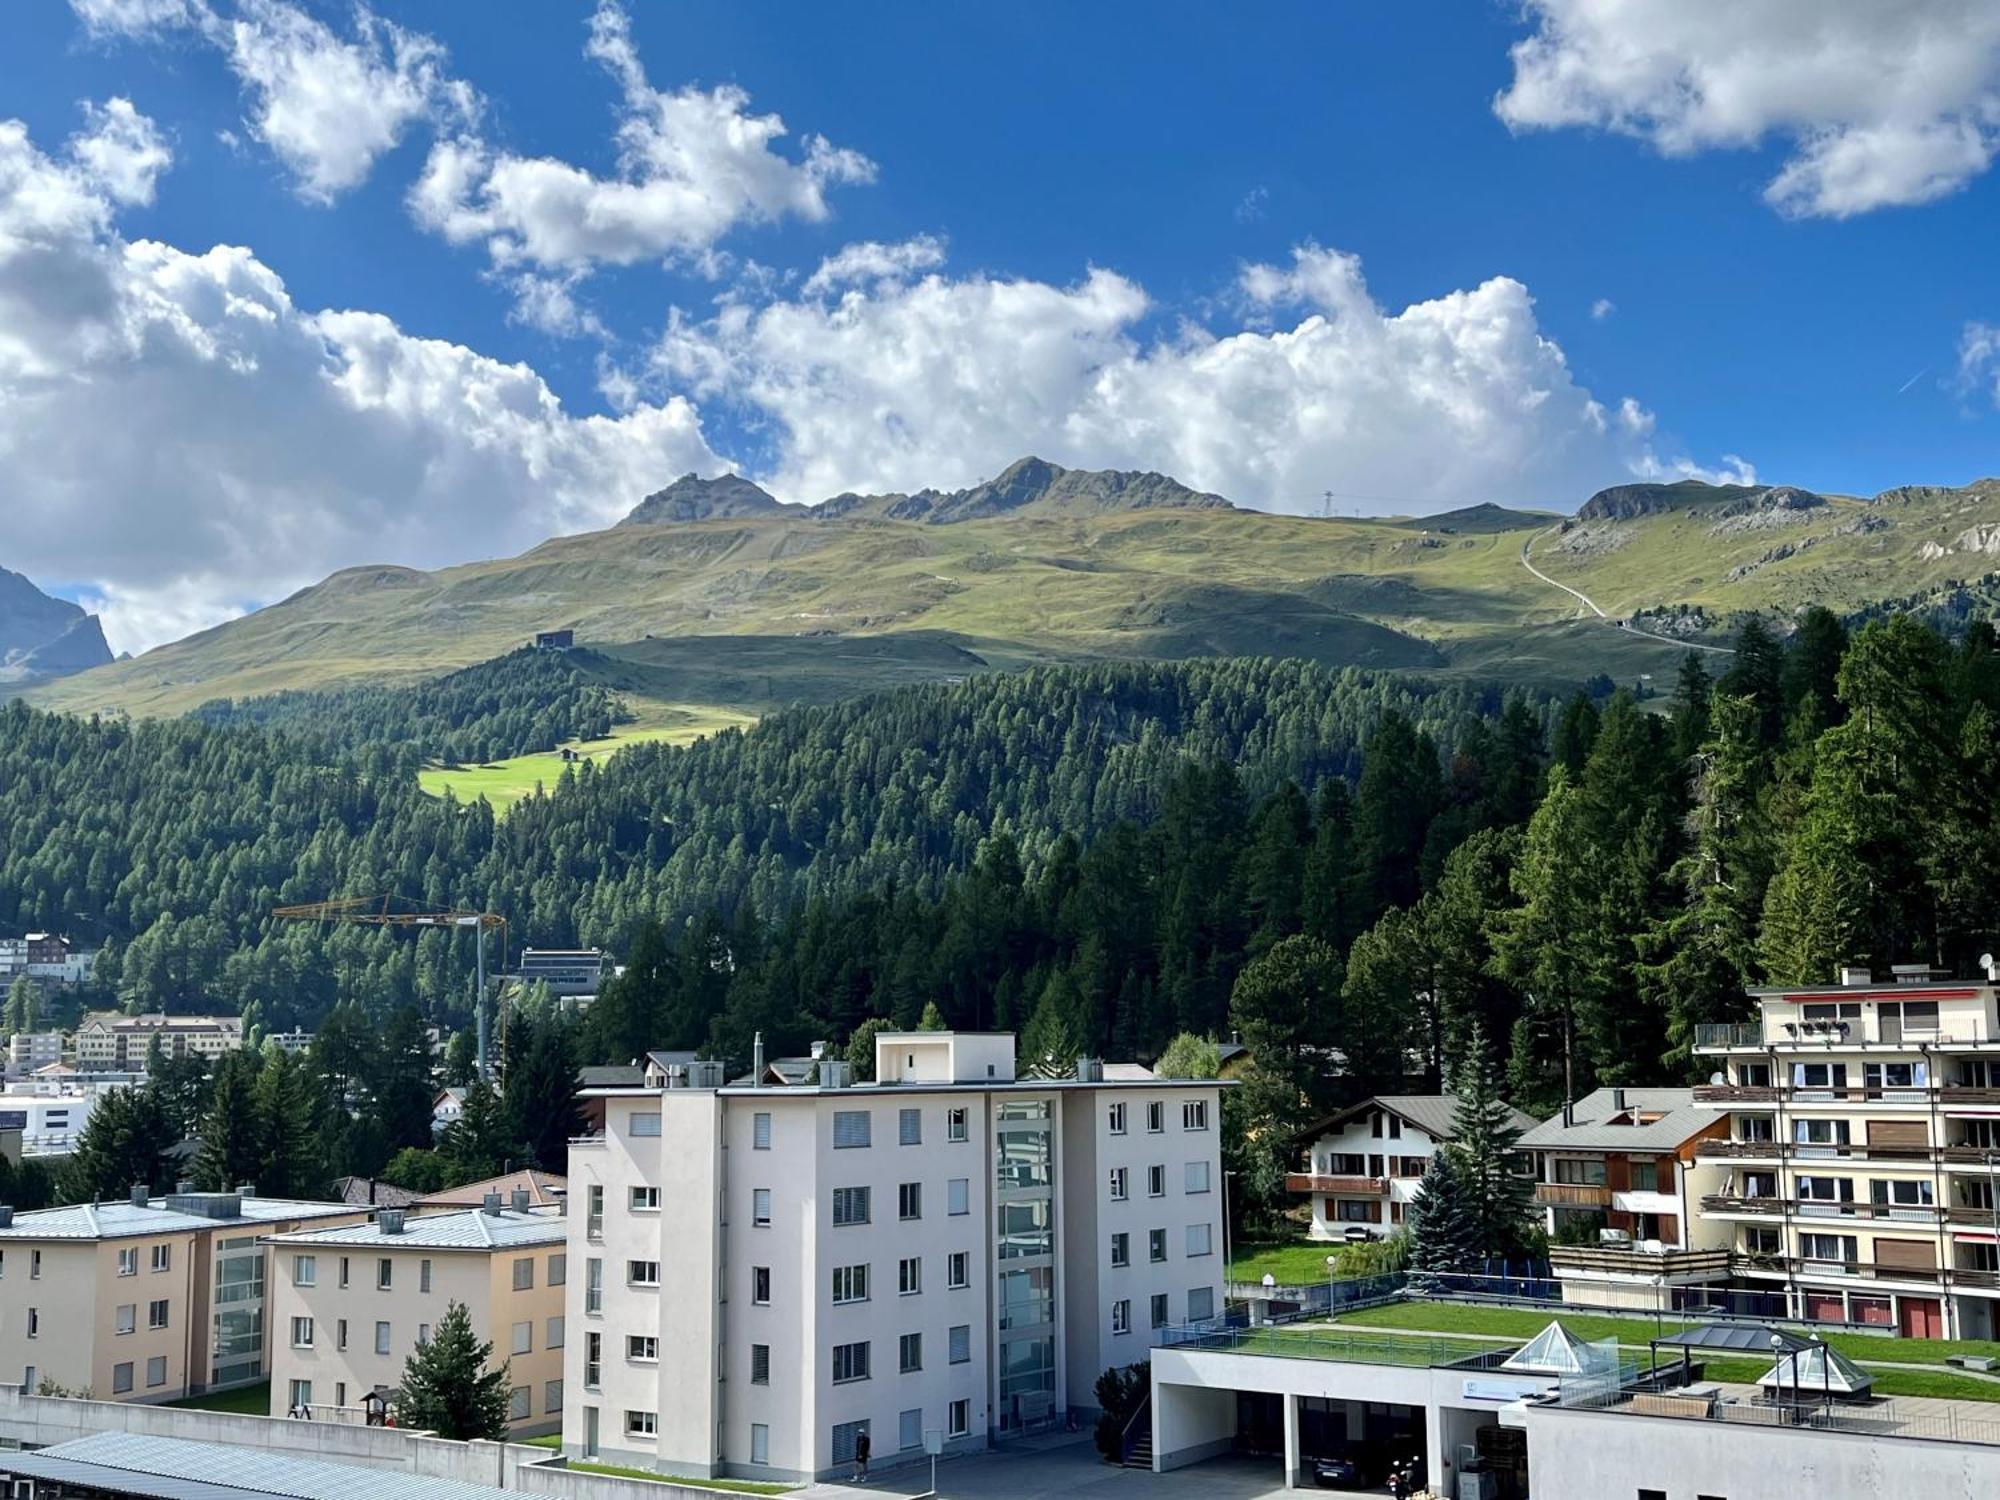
{"x": 1735, "y": 1093}
{"x": 1344, "y": 1187}
{"x": 1620, "y": 1261}
{"x": 1970, "y": 1156}
{"x": 1573, "y": 1194}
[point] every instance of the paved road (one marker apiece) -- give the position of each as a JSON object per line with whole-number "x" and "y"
{"x": 1591, "y": 604}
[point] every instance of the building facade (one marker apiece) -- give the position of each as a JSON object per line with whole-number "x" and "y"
{"x": 350, "y": 1305}
{"x": 149, "y": 1299}
{"x": 768, "y": 1272}
{"x": 108, "y": 1041}
{"x": 1363, "y": 1163}
{"x": 49, "y": 1122}
{"x": 30, "y": 1050}
{"x": 1863, "y": 1151}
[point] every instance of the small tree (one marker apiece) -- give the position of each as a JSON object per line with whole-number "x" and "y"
{"x": 1484, "y": 1136}
{"x": 447, "y": 1386}
{"x": 1444, "y": 1237}
{"x": 932, "y": 1019}
{"x": 1119, "y": 1391}
{"x": 419, "y": 1170}
{"x": 23, "y": 999}
{"x": 861, "y": 1047}
{"x": 1189, "y": 1056}
{"x": 477, "y": 1143}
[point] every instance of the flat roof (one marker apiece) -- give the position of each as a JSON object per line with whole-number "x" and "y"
{"x": 177, "y": 1469}
{"x": 945, "y": 1086}
{"x": 473, "y": 1229}
{"x": 123, "y": 1220}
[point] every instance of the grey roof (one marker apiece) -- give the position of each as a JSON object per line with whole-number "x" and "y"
{"x": 1680, "y": 1120}
{"x": 120, "y": 1219}
{"x": 619, "y": 1075}
{"x": 372, "y": 1192}
{"x": 1752, "y": 1337}
{"x": 475, "y": 1229}
{"x": 175, "y": 1469}
{"x": 1430, "y": 1113}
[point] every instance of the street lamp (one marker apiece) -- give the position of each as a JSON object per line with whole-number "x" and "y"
{"x": 1332, "y": 1261}
{"x": 1778, "y": 1354}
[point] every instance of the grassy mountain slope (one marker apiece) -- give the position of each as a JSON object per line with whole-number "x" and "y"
{"x": 746, "y": 610}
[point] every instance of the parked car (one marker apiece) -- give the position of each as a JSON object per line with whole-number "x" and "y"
{"x": 1354, "y": 1234}
{"x": 1336, "y": 1474}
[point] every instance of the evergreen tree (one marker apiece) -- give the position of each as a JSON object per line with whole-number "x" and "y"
{"x": 1444, "y": 1232}
{"x": 861, "y": 1047}
{"x": 289, "y": 1107}
{"x": 23, "y": 1003}
{"x": 477, "y": 1143}
{"x": 232, "y": 1131}
{"x": 449, "y": 1386}
{"x": 461, "y": 1059}
{"x": 1053, "y": 1036}
{"x": 120, "y": 1147}
{"x": 539, "y": 1092}
{"x": 1285, "y": 1008}
{"x": 1483, "y": 1137}
{"x": 1189, "y": 1056}
{"x": 399, "y": 1080}
{"x": 932, "y": 1019}
{"x": 1756, "y": 672}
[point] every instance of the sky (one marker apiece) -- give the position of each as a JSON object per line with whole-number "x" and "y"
{"x": 288, "y": 286}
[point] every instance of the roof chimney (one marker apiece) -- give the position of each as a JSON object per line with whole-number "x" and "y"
{"x": 1618, "y": 1098}
{"x": 184, "y": 1186}
{"x": 6, "y": 1215}
{"x": 390, "y": 1220}
{"x": 142, "y": 1194}
{"x": 246, "y": 1189}
{"x": 520, "y": 1200}
{"x": 757, "y": 1061}
{"x": 492, "y": 1204}
{"x": 1089, "y": 1070}
{"x": 1855, "y": 977}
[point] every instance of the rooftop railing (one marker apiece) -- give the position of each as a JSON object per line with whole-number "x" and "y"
{"x": 1331, "y": 1344}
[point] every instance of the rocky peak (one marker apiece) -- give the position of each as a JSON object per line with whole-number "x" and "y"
{"x": 692, "y": 498}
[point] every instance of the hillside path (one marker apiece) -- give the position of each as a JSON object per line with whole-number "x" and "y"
{"x": 1591, "y": 604}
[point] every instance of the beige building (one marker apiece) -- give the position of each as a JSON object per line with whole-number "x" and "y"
{"x": 108, "y": 1041}
{"x": 150, "y": 1299}
{"x": 349, "y": 1306}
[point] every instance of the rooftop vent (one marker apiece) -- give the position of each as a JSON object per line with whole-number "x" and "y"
{"x": 185, "y": 1185}
{"x": 520, "y": 1200}
{"x": 818, "y": 1051}
{"x": 492, "y": 1204}
{"x": 1618, "y": 1098}
{"x": 207, "y": 1205}
{"x": 1089, "y": 1070}
{"x": 6, "y": 1215}
{"x": 834, "y": 1073}
{"x": 246, "y": 1189}
{"x": 1854, "y": 977}
{"x": 391, "y": 1220}
{"x": 1913, "y": 973}
{"x": 142, "y": 1194}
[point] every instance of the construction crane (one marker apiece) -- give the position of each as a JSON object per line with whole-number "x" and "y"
{"x": 395, "y": 911}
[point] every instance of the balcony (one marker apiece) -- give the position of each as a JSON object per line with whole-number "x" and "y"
{"x": 1733, "y": 1150}
{"x": 1813, "y": 1210}
{"x": 1710, "y": 1038}
{"x": 1810, "y": 1093}
{"x": 1671, "y": 1265}
{"x": 1737, "y": 1093}
{"x": 1831, "y": 1270}
{"x": 1737, "y": 1203}
{"x": 1808, "y": 1151}
{"x": 1962, "y": 1093}
{"x": 1339, "y": 1187}
{"x": 1572, "y": 1195}
{"x": 1970, "y": 1156}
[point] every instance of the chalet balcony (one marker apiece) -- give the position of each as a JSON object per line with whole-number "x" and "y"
{"x": 1338, "y": 1187}
{"x": 1616, "y": 1261}
{"x": 1572, "y": 1195}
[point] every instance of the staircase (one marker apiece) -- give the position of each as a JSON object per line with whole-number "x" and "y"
{"x": 1138, "y": 1438}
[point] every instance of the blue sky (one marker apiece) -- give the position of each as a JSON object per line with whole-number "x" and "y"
{"x": 1294, "y": 249}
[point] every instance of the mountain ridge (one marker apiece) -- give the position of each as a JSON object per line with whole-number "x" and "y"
{"x": 42, "y": 636}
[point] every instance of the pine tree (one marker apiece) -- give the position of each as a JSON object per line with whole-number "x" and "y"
{"x": 539, "y": 1091}
{"x": 1189, "y": 1056}
{"x": 1053, "y": 1038}
{"x": 448, "y": 1387}
{"x": 477, "y": 1143}
{"x": 932, "y": 1019}
{"x": 289, "y": 1111}
{"x": 1444, "y": 1235}
{"x": 232, "y": 1134}
{"x": 23, "y": 1001}
{"x": 119, "y": 1148}
{"x": 1483, "y": 1136}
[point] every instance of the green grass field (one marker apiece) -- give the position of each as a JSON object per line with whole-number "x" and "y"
{"x": 505, "y": 782}
{"x": 244, "y": 1401}
{"x": 1293, "y": 1264}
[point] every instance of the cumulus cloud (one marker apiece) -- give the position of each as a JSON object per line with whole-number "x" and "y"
{"x": 1882, "y": 102}
{"x": 693, "y": 164}
{"x": 1978, "y": 360}
{"x": 870, "y": 260}
{"x": 930, "y": 379}
{"x": 120, "y": 150}
{"x": 230, "y": 445}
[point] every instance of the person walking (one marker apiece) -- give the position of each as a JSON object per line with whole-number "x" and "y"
{"x": 861, "y": 1446}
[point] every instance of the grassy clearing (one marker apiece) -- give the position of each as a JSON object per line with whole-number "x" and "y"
{"x": 546, "y": 1440}
{"x": 734, "y": 1486}
{"x": 505, "y": 782}
{"x": 1292, "y": 1263}
{"x": 243, "y": 1401}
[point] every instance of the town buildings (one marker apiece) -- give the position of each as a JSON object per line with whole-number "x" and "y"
{"x": 111, "y": 1041}
{"x": 49, "y": 1120}
{"x": 146, "y": 1299}
{"x": 1863, "y": 1151}
{"x": 1363, "y": 1163}
{"x": 28, "y": 1051}
{"x": 350, "y": 1304}
{"x": 766, "y": 1271}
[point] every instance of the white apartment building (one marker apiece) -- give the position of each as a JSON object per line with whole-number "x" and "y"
{"x": 49, "y": 1122}
{"x": 349, "y": 1306}
{"x": 108, "y": 1040}
{"x": 766, "y": 1272}
{"x": 1863, "y": 1151}
{"x": 29, "y": 1050}
{"x": 1363, "y": 1164}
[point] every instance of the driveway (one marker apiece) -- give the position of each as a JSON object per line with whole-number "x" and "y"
{"x": 1068, "y": 1471}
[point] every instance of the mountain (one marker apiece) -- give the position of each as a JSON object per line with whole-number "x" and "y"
{"x": 42, "y": 637}
{"x": 715, "y": 593}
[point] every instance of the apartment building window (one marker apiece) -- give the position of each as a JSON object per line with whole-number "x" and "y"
{"x": 910, "y": 1429}
{"x": 845, "y": 1435}
{"x": 958, "y": 1196}
{"x": 424, "y": 1275}
{"x": 760, "y": 1131}
{"x": 1895, "y": 1075}
{"x": 552, "y": 1396}
{"x": 524, "y": 1338}
{"x": 128, "y": 1316}
{"x": 524, "y": 1274}
{"x": 1159, "y": 1309}
{"x": 850, "y": 1129}
{"x": 34, "y": 1322}
{"x": 1118, "y": 1184}
{"x": 301, "y": 1394}
{"x": 382, "y": 1338}
{"x": 1819, "y": 1075}
{"x": 850, "y": 1206}
{"x": 128, "y": 1261}
{"x": 558, "y": 1270}
{"x": 910, "y": 1200}
{"x": 1200, "y": 1239}
{"x": 340, "y": 1334}
{"x": 1902, "y": 1194}
{"x": 156, "y": 1313}
{"x": 1201, "y": 1304}
{"x": 1579, "y": 1171}
{"x": 163, "y": 1257}
{"x": 958, "y": 1421}
{"x": 121, "y": 1378}
{"x": 645, "y": 1200}
{"x": 760, "y": 1364}
{"x": 385, "y": 1274}
{"x": 1121, "y": 1316}
{"x": 156, "y": 1372}
{"x": 1645, "y": 1175}
{"x": 910, "y": 1353}
{"x": 760, "y": 1285}
{"x": 1760, "y": 1241}
{"x": 1826, "y": 1189}
{"x": 850, "y": 1362}
{"x": 423, "y": 1336}
{"x": 956, "y": 1124}
{"x": 642, "y": 1424}
{"x": 1156, "y": 1181}
{"x": 959, "y": 1343}
{"x": 593, "y": 1360}
{"x": 553, "y": 1334}
{"x": 593, "y": 1285}
{"x": 850, "y": 1284}
{"x": 1156, "y": 1116}
{"x": 1194, "y": 1116}
{"x": 646, "y": 1123}
{"x": 1197, "y": 1177}
{"x": 1156, "y": 1245}
{"x": 305, "y": 1270}
{"x": 642, "y": 1348}
{"x": 1121, "y": 1249}
{"x": 760, "y": 1207}
{"x": 593, "y": 1203}
{"x": 520, "y": 1404}
{"x": 642, "y": 1272}
{"x": 1115, "y": 1114}
{"x": 302, "y": 1333}
{"x": 1838, "y": 1248}
{"x": 910, "y": 1127}
{"x": 1821, "y": 1132}
{"x": 909, "y": 1276}
{"x": 957, "y": 1272}
{"x": 760, "y": 1443}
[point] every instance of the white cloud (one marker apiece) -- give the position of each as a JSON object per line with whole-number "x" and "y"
{"x": 870, "y": 260}
{"x": 132, "y": 18}
{"x": 1978, "y": 360}
{"x": 1601, "y": 309}
{"x": 1883, "y": 102}
{"x": 941, "y": 381}
{"x": 179, "y": 433}
{"x": 1252, "y": 205}
{"x": 120, "y": 150}
{"x": 693, "y": 164}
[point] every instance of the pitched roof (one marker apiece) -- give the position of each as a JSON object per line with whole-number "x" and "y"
{"x": 1594, "y": 1118}
{"x": 620, "y": 1075}
{"x": 372, "y": 1192}
{"x": 1430, "y": 1113}
{"x": 1557, "y": 1351}
{"x": 544, "y": 1189}
{"x": 176, "y": 1469}
{"x": 473, "y": 1229}
{"x": 119, "y": 1219}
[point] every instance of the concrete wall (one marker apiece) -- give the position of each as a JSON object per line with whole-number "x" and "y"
{"x": 1592, "y": 1455}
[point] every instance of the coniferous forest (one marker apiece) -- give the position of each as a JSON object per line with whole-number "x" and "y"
{"x": 1369, "y": 879}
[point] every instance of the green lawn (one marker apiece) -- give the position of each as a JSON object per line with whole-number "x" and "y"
{"x": 735, "y": 1486}
{"x": 1292, "y": 1263}
{"x": 505, "y": 782}
{"x": 245, "y": 1400}
{"x": 546, "y": 1440}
